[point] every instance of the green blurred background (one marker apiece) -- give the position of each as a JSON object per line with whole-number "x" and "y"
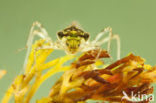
{"x": 133, "y": 20}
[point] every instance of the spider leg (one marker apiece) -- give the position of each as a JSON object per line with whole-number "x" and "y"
{"x": 99, "y": 36}
{"x": 98, "y": 41}
{"x": 108, "y": 39}
{"x": 41, "y": 32}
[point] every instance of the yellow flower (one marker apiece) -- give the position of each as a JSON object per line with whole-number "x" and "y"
{"x": 86, "y": 78}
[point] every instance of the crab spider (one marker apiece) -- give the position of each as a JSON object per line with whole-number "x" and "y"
{"x": 72, "y": 39}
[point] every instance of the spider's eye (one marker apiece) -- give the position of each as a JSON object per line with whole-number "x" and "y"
{"x": 86, "y": 36}
{"x": 60, "y": 35}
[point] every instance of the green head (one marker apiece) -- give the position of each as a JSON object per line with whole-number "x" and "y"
{"x": 73, "y": 38}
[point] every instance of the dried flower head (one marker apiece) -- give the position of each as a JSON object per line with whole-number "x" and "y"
{"x": 86, "y": 78}
{"x": 84, "y": 81}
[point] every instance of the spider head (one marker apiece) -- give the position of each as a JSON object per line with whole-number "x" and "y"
{"x": 73, "y": 38}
